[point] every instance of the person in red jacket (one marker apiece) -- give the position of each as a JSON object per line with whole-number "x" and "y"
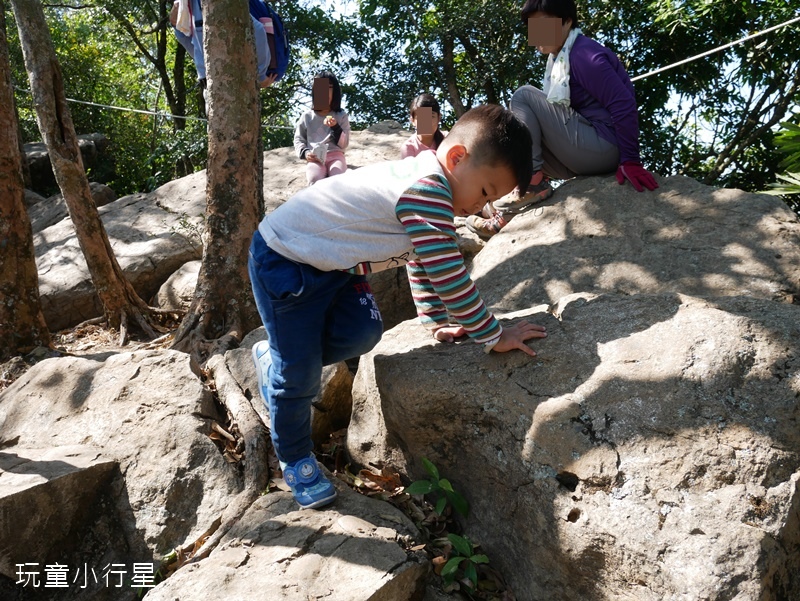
{"x": 584, "y": 120}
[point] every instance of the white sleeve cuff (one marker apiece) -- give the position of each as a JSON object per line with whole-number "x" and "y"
{"x": 488, "y": 346}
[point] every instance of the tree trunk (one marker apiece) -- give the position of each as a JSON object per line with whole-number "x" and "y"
{"x": 22, "y": 325}
{"x": 119, "y": 299}
{"x": 223, "y": 309}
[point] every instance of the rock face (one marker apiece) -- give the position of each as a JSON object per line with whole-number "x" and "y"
{"x": 56, "y": 487}
{"x": 48, "y": 212}
{"x": 108, "y": 461}
{"x": 594, "y": 235}
{"x": 152, "y": 235}
{"x": 611, "y": 462}
{"x": 94, "y": 155}
{"x": 651, "y": 450}
{"x": 349, "y": 552}
{"x": 178, "y": 291}
{"x": 148, "y": 414}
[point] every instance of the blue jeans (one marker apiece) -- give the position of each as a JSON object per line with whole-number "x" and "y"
{"x": 313, "y": 318}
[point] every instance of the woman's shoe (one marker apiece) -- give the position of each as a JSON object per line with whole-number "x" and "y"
{"x": 486, "y": 228}
{"x": 516, "y": 203}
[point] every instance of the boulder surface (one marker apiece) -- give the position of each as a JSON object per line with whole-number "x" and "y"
{"x": 651, "y": 449}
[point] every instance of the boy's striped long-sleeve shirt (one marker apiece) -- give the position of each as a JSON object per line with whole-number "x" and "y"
{"x": 439, "y": 280}
{"x": 383, "y": 216}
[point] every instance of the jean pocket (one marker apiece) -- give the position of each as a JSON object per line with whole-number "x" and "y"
{"x": 283, "y": 279}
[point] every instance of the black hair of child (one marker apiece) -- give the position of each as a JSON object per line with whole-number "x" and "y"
{"x": 565, "y": 9}
{"x": 494, "y": 136}
{"x": 427, "y": 100}
{"x": 336, "y": 100}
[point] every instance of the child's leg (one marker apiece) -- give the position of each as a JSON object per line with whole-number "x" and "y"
{"x": 354, "y": 325}
{"x": 315, "y": 172}
{"x": 336, "y": 163}
{"x": 565, "y": 144}
{"x": 294, "y": 376}
{"x": 302, "y": 309}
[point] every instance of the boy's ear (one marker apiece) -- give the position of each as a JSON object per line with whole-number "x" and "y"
{"x": 455, "y": 154}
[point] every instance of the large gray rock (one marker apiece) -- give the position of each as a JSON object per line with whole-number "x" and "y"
{"x": 351, "y": 551}
{"x": 32, "y": 199}
{"x": 650, "y": 451}
{"x": 177, "y": 292}
{"x": 148, "y": 412}
{"x": 152, "y": 235}
{"x": 46, "y": 491}
{"x": 594, "y": 235}
{"x": 94, "y": 154}
{"x": 45, "y": 213}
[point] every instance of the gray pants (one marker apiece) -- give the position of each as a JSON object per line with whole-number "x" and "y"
{"x": 564, "y": 143}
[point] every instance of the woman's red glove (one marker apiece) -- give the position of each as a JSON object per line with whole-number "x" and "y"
{"x": 637, "y": 175}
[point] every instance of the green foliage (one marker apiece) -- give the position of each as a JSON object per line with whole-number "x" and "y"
{"x": 711, "y": 119}
{"x": 788, "y": 143}
{"x": 101, "y": 66}
{"x": 440, "y": 489}
{"x": 463, "y": 562}
{"x": 790, "y": 185}
{"x": 465, "y": 53}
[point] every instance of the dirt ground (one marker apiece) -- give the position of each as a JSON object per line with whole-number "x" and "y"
{"x": 83, "y": 339}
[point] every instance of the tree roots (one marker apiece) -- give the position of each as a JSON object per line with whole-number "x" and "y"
{"x": 256, "y": 440}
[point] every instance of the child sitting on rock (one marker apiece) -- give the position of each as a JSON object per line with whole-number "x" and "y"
{"x": 425, "y": 117}
{"x": 309, "y": 259}
{"x": 322, "y": 134}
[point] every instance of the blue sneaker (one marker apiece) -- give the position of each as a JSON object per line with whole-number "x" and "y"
{"x": 310, "y": 488}
{"x": 262, "y": 360}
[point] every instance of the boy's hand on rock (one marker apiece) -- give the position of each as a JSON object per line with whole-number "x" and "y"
{"x": 449, "y": 333}
{"x": 514, "y": 337}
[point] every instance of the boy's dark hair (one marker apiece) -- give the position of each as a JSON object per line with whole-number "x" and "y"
{"x": 336, "y": 100}
{"x": 493, "y": 136}
{"x": 428, "y": 100}
{"x": 564, "y": 9}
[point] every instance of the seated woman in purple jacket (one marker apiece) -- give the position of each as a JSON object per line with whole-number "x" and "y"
{"x": 583, "y": 122}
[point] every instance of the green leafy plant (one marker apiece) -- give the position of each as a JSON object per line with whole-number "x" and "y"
{"x": 464, "y": 561}
{"x": 788, "y": 142}
{"x": 789, "y": 184}
{"x": 440, "y": 488}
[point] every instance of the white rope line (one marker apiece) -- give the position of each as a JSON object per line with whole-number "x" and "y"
{"x": 693, "y": 58}
{"x": 144, "y": 112}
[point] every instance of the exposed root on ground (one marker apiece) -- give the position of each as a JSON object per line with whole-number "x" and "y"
{"x": 150, "y": 323}
{"x": 256, "y": 441}
{"x": 201, "y": 338}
